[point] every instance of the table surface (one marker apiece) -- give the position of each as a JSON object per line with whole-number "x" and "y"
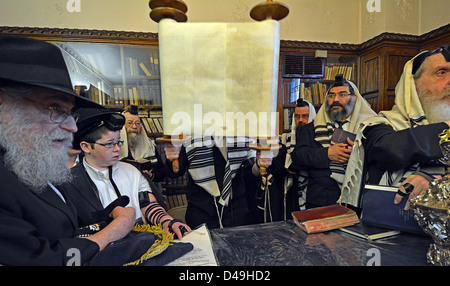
{"x": 284, "y": 243}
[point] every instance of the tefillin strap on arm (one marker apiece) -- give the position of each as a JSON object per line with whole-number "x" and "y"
{"x": 154, "y": 212}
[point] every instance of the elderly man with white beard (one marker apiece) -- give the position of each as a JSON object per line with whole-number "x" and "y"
{"x": 401, "y": 146}
{"x": 38, "y": 224}
{"x": 138, "y": 147}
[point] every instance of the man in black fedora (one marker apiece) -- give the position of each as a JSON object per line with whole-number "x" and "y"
{"x": 38, "y": 223}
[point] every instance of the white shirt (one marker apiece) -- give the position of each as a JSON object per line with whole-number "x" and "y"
{"x": 346, "y": 125}
{"x": 128, "y": 179}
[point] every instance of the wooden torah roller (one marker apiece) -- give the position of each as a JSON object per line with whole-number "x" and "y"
{"x": 172, "y": 9}
{"x": 264, "y": 147}
{"x": 269, "y": 10}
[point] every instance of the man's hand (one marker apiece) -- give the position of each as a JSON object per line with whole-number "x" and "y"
{"x": 176, "y": 229}
{"x": 420, "y": 186}
{"x": 172, "y": 152}
{"x": 264, "y": 158}
{"x": 121, "y": 225}
{"x": 340, "y": 152}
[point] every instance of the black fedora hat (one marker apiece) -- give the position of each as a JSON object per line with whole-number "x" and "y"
{"x": 31, "y": 62}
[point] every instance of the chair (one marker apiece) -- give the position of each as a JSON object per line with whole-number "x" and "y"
{"x": 178, "y": 213}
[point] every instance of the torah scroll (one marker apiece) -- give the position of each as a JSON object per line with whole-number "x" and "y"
{"x": 219, "y": 78}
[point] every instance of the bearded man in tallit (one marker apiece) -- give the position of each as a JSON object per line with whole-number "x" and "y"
{"x": 283, "y": 189}
{"x": 139, "y": 148}
{"x": 401, "y": 146}
{"x": 324, "y": 160}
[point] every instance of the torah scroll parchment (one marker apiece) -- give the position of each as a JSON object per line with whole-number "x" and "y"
{"x": 219, "y": 78}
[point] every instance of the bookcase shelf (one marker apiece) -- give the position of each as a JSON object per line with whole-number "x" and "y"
{"x": 115, "y": 74}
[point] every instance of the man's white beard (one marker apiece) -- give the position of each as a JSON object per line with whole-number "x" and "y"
{"x": 30, "y": 153}
{"x": 435, "y": 111}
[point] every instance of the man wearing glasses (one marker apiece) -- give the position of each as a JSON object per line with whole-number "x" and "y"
{"x": 38, "y": 222}
{"x": 139, "y": 149}
{"x": 325, "y": 160}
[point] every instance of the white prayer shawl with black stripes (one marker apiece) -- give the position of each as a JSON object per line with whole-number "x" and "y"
{"x": 406, "y": 113}
{"x": 324, "y": 129}
{"x": 145, "y": 149}
{"x": 288, "y": 140}
{"x": 199, "y": 153}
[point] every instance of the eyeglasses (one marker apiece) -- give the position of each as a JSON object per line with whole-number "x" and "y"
{"x": 341, "y": 95}
{"x": 57, "y": 114}
{"x": 131, "y": 123}
{"x": 110, "y": 145}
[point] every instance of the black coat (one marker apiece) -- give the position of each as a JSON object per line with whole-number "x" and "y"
{"x": 201, "y": 207}
{"x": 83, "y": 193}
{"x": 311, "y": 156}
{"x": 390, "y": 150}
{"x": 37, "y": 229}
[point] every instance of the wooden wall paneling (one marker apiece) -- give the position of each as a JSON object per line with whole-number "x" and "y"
{"x": 435, "y": 38}
{"x": 395, "y": 57}
{"x": 371, "y": 73}
{"x": 381, "y": 68}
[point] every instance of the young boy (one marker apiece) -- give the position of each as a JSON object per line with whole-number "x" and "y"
{"x": 101, "y": 179}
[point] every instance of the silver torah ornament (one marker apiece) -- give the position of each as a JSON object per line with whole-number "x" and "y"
{"x": 432, "y": 210}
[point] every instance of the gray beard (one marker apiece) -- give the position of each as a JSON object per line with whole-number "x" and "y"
{"x": 338, "y": 116}
{"x": 36, "y": 161}
{"x": 133, "y": 141}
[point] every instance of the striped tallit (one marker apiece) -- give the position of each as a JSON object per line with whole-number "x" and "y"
{"x": 201, "y": 163}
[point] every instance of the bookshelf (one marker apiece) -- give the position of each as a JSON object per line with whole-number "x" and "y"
{"x": 114, "y": 74}
{"x": 152, "y": 120}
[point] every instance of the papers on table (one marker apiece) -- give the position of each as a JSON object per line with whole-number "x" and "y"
{"x": 202, "y": 254}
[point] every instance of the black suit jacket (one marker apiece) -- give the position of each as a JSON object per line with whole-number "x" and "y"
{"x": 37, "y": 229}
{"x": 311, "y": 156}
{"x": 83, "y": 193}
{"x": 390, "y": 150}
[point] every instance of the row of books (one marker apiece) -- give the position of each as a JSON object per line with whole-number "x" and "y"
{"x": 153, "y": 124}
{"x": 139, "y": 94}
{"x": 315, "y": 93}
{"x": 134, "y": 67}
{"x": 175, "y": 201}
{"x": 332, "y": 70}
{"x": 143, "y": 93}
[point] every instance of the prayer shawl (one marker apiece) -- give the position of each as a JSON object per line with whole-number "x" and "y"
{"x": 201, "y": 163}
{"x": 145, "y": 148}
{"x": 406, "y": 113}
{"x": 288, "y": 140}
{"x": 324, "y": 129}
